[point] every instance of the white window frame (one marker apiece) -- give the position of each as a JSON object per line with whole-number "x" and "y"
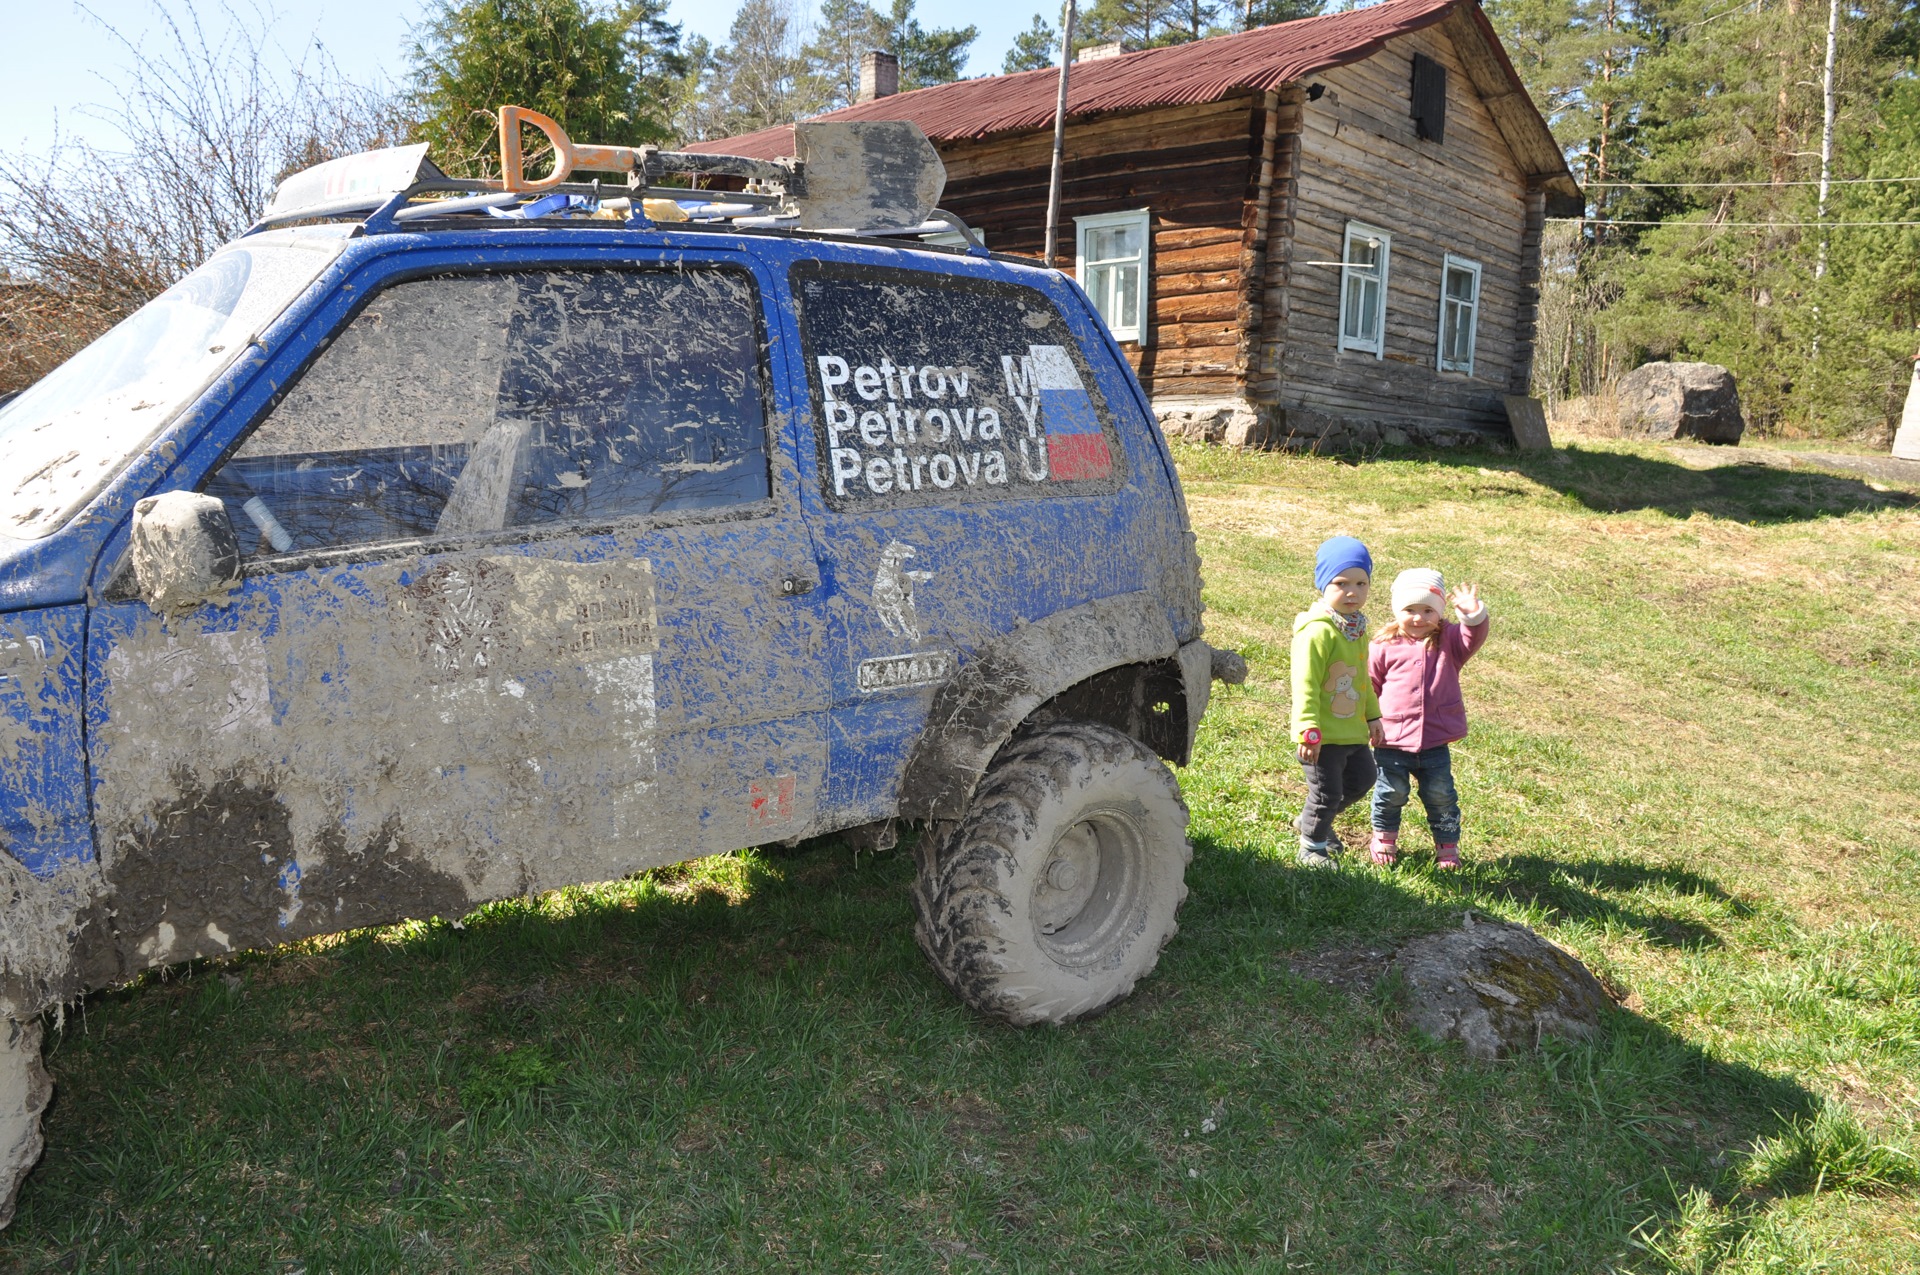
{"x": 1375, "y": 344}
{"x": 1142, "y": 218}
{"x": 1448, "y": 265}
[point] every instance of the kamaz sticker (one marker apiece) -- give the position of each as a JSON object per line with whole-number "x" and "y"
{"x": 891, "y": 672}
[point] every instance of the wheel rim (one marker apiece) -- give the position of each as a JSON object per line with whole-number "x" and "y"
{"x": 1087, "y": 891}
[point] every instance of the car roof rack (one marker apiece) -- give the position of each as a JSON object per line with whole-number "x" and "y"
{"x": 863, "y": 178}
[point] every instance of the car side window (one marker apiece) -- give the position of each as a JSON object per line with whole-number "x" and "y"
{"x": 481, "y": 402}
{"x": 931, "y": 389}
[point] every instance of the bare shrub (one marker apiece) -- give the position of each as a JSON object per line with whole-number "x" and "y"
{"x": 87, "y": 235}
{"x": 1595, "y": 415}
{"x": 1570, "y": 358}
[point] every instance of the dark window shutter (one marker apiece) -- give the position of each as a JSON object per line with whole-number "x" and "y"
{"x": 1429, "y": 99}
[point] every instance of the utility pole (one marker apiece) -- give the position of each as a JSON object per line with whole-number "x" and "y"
{"x": 1059, "y": 132}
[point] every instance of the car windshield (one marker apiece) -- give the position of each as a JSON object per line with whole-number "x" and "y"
{"x": 67, "y": 436}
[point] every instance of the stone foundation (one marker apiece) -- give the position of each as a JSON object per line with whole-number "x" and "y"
{"x": 1234, "y": 422}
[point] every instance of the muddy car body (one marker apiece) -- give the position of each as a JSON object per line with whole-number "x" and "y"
{"x": 462, "y": 558}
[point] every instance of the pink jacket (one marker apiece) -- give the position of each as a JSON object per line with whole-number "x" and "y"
{"x": 1419, "y": 686}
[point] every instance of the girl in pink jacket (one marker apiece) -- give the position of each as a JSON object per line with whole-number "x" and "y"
{"x": 1414, "y": 665}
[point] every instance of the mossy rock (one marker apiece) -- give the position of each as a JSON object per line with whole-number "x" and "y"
{"x": 1497, "y": 988}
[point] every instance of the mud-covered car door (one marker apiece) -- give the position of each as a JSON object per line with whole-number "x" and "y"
{"x": 525, "y": 603}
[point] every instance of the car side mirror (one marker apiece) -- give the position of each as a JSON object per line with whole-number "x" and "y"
{"x": 184, "y": 551}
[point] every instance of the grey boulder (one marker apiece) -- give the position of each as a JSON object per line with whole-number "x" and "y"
{"x": 1497, "y": 988}
{"x": 1681, "y": 400}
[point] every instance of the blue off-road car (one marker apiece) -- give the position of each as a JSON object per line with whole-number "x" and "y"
{"x": 437, "y": 542}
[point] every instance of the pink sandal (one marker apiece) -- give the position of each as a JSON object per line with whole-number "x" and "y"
{"x": 1385, "y": 850}
{"x": 1446, "y": 858}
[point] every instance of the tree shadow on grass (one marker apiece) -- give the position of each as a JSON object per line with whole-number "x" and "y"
{"x": 1622, "y": 482}
{"x": 765, "y": 1029}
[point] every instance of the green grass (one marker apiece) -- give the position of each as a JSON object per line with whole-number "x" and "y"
{"x": 1695, "y": 729}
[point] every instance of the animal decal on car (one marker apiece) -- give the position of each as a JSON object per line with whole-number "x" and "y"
{"x": 893, "y": 590}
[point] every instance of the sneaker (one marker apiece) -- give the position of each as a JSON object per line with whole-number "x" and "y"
{"x": 1385, "y": 849}
{"x": 1315, "y": 856}
{"x": 1446, "y": 857}
{"x": 1335, "y": 846}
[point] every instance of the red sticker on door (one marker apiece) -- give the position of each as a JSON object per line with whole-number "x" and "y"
{"x": 771, "y": 800}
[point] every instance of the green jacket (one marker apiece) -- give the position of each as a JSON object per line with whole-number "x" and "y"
{"x": 1331, "y": 689}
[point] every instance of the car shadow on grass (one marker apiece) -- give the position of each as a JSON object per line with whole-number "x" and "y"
{"x": 623, "y": 1065}
{"x": 1607, "y": 481}
{"x": 1644, "y": 1115}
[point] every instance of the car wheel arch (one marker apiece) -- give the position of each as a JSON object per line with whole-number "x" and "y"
{"x": 1116, "y": 661}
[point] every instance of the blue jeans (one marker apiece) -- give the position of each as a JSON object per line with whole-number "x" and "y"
{"x": 1433, "y": 767}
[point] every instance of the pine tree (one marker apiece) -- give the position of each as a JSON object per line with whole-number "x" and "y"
{"x": 1191, "y": 20}
{"x": 1134, "y": 24}
{"x": 1696, "y": 127}
{"x": 696, "y": 113}
{"x": 1263, "y": 13}
{"x": 759, "y": 77}
{"x": 604, "y": 73}
{"x": 927, "y": 57}
{"x": 1037, "y": 46}
{"x": 847, "y": 30}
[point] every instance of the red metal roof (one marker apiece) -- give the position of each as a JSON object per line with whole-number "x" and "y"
{"x": 1202, "y": 71}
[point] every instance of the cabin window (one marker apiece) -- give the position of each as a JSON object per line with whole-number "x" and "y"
{"x": 1459, "y": 313}
{"x": 1363, "y": 289}
{"x": 1111, "y": 263}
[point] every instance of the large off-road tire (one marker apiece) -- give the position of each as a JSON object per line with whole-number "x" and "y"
{"x": 1057, "y": 890}
{"x": 24, "y": 1091}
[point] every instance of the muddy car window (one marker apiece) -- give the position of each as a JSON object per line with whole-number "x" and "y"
{"x": 476, "y": 403}
{"x": 929, "y": 390}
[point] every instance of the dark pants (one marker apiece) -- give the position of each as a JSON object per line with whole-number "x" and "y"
{"x": 1341, "y": 777}
{"x": 1433, "y": 767}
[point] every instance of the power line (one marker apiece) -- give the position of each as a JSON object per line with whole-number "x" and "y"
{"x": 1837, "y": 181}
{"x": 1744, "y": 225}
{"x": 1714, "y": 17}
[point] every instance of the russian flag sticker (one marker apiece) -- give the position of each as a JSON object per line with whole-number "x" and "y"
{"x": 1076, "y": 446}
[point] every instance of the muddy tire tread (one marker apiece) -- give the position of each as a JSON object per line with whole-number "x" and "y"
{"x": 957, "y": 888}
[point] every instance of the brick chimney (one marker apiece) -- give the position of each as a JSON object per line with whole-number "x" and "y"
{"x": 879, "y": 76}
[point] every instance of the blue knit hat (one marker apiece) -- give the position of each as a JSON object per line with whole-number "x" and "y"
{"x": 1335, "y": 556}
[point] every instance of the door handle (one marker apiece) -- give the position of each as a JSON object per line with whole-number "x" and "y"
{"x": 794, "y": 586}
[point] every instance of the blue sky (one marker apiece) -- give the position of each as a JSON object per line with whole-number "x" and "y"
{"x": 61, "y": 63}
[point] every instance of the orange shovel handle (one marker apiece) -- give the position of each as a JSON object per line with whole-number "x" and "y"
{"x": 567, "y": 156}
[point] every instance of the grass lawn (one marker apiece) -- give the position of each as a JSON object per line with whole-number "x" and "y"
{"x": 1696, "y": 731}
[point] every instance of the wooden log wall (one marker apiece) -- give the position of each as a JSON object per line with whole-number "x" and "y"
{"x": 1266, "y": 360}
{"x": 1359, "y": 159}
{"x": 1520, "y": 375}
{"x": 1198, "y": 168}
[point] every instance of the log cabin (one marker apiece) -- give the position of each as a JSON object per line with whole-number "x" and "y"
{"x": 1320, "y": 234}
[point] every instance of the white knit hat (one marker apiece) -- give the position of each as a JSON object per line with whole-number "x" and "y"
{"x": 1417, "y": 585}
